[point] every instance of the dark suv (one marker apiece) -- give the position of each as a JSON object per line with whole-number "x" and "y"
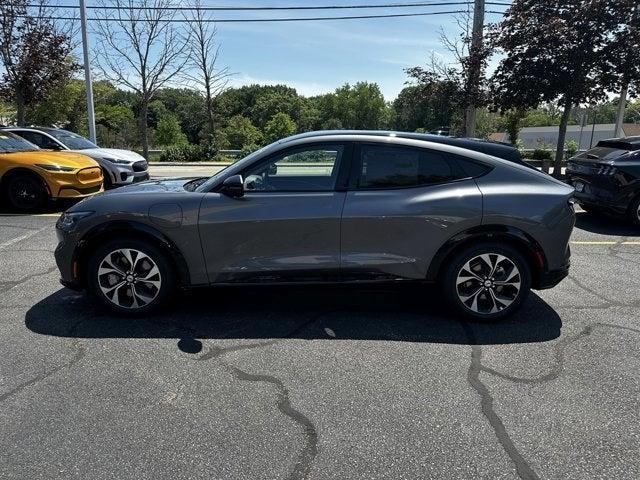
{"x": 607, "y": 178}
{"x": 328, "y": 207}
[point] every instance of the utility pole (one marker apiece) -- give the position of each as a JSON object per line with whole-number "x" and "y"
{"x": 474, "y": 66}
{"x": 91, "y": 120}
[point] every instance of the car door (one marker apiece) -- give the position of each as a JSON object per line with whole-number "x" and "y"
{"x": 286, "y": 227}
{"x": 403, "y": 203}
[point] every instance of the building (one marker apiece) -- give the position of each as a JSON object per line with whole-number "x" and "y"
{"x": 586, "y": 136}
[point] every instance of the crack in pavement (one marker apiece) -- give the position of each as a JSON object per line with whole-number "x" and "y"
{"x": 524, "y": 470}
{"x": 78, "y": 355}
{"x": 6, "y": 286}
{"x": 306, "y": 457}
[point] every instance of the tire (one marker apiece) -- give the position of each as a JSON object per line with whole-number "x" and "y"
{"x": 25, "y": 192}
{"x": 107, "y": 183}
{"x": 141, "y": 289}
{"x": 634, "y": 212}
{"x": 473, "y": 300}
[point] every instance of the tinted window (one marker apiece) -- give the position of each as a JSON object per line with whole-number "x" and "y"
{"x": 396, "y": 167}
{"x": 12, "y": 143}
{"x": 313, "y": 169}
{"x": 39, "y": 139}
{"x": 471, "y": 168}
{"x": 71, "y": 140}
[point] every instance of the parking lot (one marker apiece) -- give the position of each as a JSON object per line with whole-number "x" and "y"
{"x": 339, "y": 383}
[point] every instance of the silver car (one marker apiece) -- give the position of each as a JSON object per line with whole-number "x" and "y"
{"x": 119, "y": 167}
{"x": 328, "y": 207}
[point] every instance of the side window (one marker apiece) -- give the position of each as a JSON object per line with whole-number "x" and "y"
{"x": 32, "y": 137}
{"x": 313, "y": 169}
{"x": 471, "y": 168}
{"x": 401, "y": 167}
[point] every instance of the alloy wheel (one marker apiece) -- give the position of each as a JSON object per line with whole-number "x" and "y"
{"x": 488, "y": 283}
{"x": 129, "y": 278}
{"x": 24, "y": 193}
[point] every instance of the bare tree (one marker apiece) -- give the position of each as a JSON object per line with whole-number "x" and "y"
{"x": 35, "y": 53}
{"x": 207, "y": 74}
{"x": 140, "y": 48}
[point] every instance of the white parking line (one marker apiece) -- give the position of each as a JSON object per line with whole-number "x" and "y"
{"x": 22, "y": 237}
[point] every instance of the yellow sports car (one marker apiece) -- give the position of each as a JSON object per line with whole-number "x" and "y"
{"x": 29, "y": 176}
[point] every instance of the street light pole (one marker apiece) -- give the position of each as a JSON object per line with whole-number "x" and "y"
{"x": 87, "y": 72}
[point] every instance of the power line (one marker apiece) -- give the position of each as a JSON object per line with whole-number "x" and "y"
{"x": 276, "y": 8}
{"x": 265, "y": 20}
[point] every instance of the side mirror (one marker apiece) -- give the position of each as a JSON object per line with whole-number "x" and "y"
{"x": 273, "y": 170}
{"x": 233, "y": 186}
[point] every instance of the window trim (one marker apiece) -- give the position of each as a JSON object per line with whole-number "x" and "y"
{"x": 356, "y": 168}
{"x": 343, "y": 162}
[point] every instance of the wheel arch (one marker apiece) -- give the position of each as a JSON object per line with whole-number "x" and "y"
{"x": 12, "y": 172}
{"x": 515, "y": 237}
{"x": 129, "y": 229}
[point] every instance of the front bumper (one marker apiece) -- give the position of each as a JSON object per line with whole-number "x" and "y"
{"x": 80, "y": 184}
{"x": 65, "y": 255}
{"x": 124, "y": 174}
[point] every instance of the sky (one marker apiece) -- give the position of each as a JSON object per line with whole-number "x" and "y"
{"x": 318, "y": 57}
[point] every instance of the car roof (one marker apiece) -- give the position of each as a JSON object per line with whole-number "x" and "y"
{"x": 39, "y": 129}
{"x": 496, "y": 149}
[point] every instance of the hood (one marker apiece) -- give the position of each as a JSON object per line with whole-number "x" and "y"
{"x": 171, "y": 185}
{"x": 112, "y": 153}
{"x": 63, "y": 159}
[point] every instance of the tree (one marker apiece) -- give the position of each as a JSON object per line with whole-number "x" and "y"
{"x": 360, "y": 106}
{"x": 552, "y": 52}
{"x": 240, "y": 132}
{"x": 204, "y": 59}
{"x": 622, "y": 56}
{"x": 279, "y": 126}
{"x": 141, "y": 49}
{"x": 35, "y": 54}
{"x": 168, "y": 132}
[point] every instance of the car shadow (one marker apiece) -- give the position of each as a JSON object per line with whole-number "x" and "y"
{"x": 605, "y": 225}
{"x": 408, "y": 314}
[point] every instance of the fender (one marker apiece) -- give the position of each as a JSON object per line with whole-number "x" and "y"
{"x": 133, "y": 228}
{"x": 525, "y": 242}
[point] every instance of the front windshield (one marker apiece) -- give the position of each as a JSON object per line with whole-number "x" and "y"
{"x": 206, "y": 186}
{"x": 71, "y": 140}
{"x": 10, "y": 143}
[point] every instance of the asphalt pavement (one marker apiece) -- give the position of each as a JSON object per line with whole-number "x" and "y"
{"x": 320, "y": 383}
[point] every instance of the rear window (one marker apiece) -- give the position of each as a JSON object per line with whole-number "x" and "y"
{"x": 618, "y": 145}
{"x": 400, "y": 167}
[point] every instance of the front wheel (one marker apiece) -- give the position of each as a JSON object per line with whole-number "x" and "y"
{"x": 487, "y": 282}
{"x": 129, "y": 276}
{"x": 26, "y": 193}
{"x": 634, "y": 211}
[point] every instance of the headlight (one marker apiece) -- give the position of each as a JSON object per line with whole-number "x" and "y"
{"x": 55, "y": 168}
{"x": 68, "y": 220}
{"x": 116, "y": 161}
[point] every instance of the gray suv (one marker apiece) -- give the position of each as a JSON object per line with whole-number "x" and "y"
{"x": 328, "y": 207}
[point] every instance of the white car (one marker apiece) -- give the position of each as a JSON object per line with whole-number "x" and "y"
{"x": 120, "y": 167}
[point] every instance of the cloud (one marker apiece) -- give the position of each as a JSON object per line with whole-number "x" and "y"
{"x": 307, "y": 89}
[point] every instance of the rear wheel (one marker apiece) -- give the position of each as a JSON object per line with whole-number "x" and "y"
{"x": 634, "y": 211}
{"x": 25, "y": 192}
{"x": 129, "y": 276}
{"x": 487, "y": 282}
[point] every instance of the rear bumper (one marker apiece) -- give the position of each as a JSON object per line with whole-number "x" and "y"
{"x": 552, "y": 278}
{"x": 610, "y": 200}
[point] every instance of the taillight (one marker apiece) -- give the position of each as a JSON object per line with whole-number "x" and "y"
{"x": 607, "y": 170}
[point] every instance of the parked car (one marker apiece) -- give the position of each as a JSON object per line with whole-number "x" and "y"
{"x": 29, "y": 176}
{"x": 354, "y": 207}
{"x": 607, "y": 178}
{"x": 120, "y": 167}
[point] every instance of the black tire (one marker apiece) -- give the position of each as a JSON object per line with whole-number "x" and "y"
{"x": 634, "y": 212}
{"x": 25, "y": 192}
{"x": 128, "y": 297}
{"x": 504, "y": 299}
{"x": 106, "y": 182}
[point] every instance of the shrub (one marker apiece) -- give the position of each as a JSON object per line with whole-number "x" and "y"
{"x": 542, "y": 152}
{"x": 248, "y": 149}
{"x": 572, "y": 148}
{"x": 189, "y": 153}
